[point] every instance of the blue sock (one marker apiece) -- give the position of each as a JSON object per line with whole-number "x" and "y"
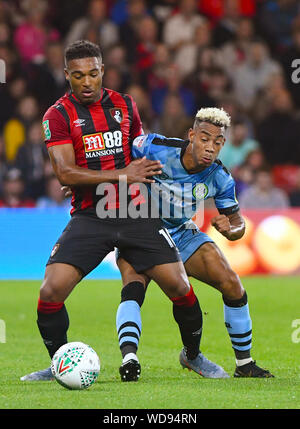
{"x": 128, "y": 319}
{"x": 239, "y": 326}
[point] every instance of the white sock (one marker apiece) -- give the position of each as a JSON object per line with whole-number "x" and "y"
{"x": 241, "y": 362}
{"x": 130, "y": 356}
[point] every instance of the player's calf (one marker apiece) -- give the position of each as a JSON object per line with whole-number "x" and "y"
{"x": 129, "y": 327}
{"x": 188, "y": 315}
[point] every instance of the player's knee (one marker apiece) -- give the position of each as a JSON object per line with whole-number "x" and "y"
{"x": 231, "y": 286}
{"x": 49, "y": 292}
{"x": 178, "y": 288}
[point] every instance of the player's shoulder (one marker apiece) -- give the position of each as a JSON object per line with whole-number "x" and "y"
{"x": 159, "y": 142}
{"x": 222, "y": 169}
{"x": 55, "y": 111}
{"x": 221, "y": 173}
{"x": 171, "y": 142}
{"x": 117, "y": 97}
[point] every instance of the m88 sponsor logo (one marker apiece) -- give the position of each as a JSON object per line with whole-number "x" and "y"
{"x": 100, "y": 144}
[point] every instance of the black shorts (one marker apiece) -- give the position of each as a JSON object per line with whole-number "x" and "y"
{"x": 86, "y": 241}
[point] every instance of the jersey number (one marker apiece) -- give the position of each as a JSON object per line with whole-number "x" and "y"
{"x": 99, "y": 141}
{"x": 167, "y": 236}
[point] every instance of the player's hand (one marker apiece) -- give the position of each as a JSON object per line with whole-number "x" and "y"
{"x": 67, "y": 191}
{"x": 221, "y": 223}
{"x": 140, "y": 170}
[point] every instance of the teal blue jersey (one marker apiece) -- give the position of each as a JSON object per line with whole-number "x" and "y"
{"x": 177, "y": 193}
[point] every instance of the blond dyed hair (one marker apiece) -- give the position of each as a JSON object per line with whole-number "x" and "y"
{"x": 214, "y": 116}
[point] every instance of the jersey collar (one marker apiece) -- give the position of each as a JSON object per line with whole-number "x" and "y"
{"x": 71, "y": 95}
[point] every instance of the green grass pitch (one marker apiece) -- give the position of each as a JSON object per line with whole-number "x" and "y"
{"x": 274, "y": 305}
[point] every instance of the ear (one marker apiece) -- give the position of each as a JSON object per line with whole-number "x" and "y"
{"x": 67, "y": 76}
{"x": 102, "y": 70}
{"x": 191, "y": 134}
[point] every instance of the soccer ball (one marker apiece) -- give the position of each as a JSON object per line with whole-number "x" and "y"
{"x": 75, "y": 366}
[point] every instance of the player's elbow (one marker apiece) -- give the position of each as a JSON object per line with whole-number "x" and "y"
{"x": 65, "y": 176}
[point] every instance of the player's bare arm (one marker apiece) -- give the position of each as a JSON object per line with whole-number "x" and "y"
{"x": 232, "y": 226}
{"x": 68, "y": 173}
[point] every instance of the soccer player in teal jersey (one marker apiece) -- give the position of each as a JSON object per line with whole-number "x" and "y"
{"x": 191, "y": 173}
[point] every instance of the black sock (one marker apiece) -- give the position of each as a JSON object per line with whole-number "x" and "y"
{"x": 189, "y": 319}
{"x": 53, "y": 329}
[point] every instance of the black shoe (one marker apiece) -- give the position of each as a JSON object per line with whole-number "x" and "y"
{"x": 252, "y": 370}
{"x": 130, "y": 370}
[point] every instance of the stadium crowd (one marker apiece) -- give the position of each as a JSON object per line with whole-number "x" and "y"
{"x": 173, "y": 57}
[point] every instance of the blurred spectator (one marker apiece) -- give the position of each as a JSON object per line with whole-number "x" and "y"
{"x": 47, "y": 79}
{"x": 3, "y": 165}
{"x": 291, "y": 54}
{"x": 236, "y": 150}
{"x": 275, "y": 19}
{"x": 243, "y": 176}
{"x": 263, "y": 101}
{"x": 54, "y": 197}
{"x": 199, "y": 80}
{"x": 137, "y": 10}
{"x": 143, "y": 104}
{"x": 5, "y": 34}
{"x": 173, "y": 121}
{"x": 32, "y": 36}
{"x": 145, "y": 48}
{"x": 95, "y": 26}
{"x": 113, "y": 79}
{"x": 225, "y": 29}
{"x": 13, "y": 191}
{"x": 158, "y": 76}
{"x": 215, "y": 9}
{"x": 10, "y": 95}
{"x": 116, "y": 57}
{"x": 175, "y": 86}
{"x": 186, "y": 59}
{"x": 10, "y": 57}
{"x": 263, "y": 194}
{"x": 256, "y": 160}
{"x": 295, "y": 194}
{"x": 162, "y": 10}
{"x": 252, "y": 76}
{"x": 218, "y": 84}
{"x": 179, "y": 29}
{"x": 15, "y": 129}
{"x": 234, "y": 53}
{"x": 279, "y": 132}
{"x": 30, "y": 161}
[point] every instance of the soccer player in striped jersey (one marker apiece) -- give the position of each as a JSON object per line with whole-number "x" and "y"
{"x": 191, "y": 172}
{"x": 89, "y": 134}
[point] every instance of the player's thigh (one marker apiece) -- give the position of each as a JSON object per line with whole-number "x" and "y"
{"x": 171, "y": 278}
{"x": 145, "y": 244}
{"x": 209, "y": 265}
{"x": 129, "y": 274}
{"x": 59, "y": 281}
{"x": 84, "y": 243}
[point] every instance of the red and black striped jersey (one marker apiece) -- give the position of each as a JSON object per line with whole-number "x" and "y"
{"x": 101, "y": 134}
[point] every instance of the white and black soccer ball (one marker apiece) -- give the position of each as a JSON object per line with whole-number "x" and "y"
{"x": 75, "y": 366}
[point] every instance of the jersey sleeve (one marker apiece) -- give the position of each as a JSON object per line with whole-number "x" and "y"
{"x": 56, "y": 128}
{"x": 136, "y": 126}
{"x": 225, "y": 198}
{"x": 141, "y": 146}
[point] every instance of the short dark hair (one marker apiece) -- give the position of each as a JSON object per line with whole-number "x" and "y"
{"x": 82, "y": 49}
